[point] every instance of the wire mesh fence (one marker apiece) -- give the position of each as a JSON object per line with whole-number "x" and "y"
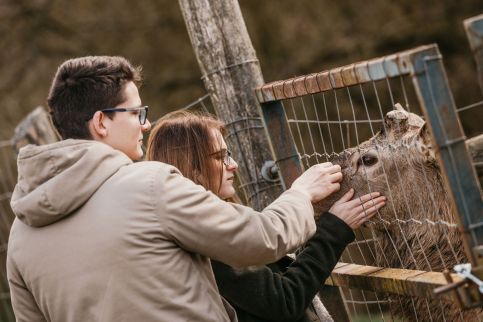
{"x": 368, "y": 117}
{"x": 348, "y": 119}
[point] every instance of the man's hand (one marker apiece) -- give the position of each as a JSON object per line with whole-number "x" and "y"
{"x": 319, "y": 181}
{"x": 356, "y": 212}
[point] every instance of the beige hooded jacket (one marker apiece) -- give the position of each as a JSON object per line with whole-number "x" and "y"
{"x": 99, "y": 238}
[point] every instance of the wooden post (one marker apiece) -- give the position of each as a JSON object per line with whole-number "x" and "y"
{"x": 231, "y": 71}
{"x": 35, "y": 128}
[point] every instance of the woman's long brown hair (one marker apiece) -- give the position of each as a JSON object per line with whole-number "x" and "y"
{"x": 186, "y": 140}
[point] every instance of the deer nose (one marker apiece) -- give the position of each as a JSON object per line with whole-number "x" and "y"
{"x": 339, "y": 159}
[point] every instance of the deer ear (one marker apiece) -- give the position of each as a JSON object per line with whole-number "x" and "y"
{"x": 425, "y": 145}
{"x": 424, "y": 135}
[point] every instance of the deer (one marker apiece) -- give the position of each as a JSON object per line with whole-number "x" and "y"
{"x": 416, "y": 229}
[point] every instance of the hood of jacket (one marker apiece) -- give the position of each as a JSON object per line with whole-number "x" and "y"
{"x": 54, "y": 180}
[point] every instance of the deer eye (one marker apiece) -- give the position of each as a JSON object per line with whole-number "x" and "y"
{"x": 367, "y": 160}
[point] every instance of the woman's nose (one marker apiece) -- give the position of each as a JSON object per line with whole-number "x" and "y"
{"x": 232, "y": 166}
{"x": 146, "y": 126}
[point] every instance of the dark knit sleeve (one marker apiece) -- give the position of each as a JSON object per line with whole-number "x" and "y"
{"x": 285, "y": 296}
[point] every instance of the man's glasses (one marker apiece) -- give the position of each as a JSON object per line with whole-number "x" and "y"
{"x": 225, "y": 155}
{"x": 143, "y": 112}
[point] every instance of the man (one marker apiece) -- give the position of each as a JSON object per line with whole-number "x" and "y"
{"x": 100, "y": 238}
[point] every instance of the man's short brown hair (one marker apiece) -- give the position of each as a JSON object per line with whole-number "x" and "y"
{"x": 85, "y": 85}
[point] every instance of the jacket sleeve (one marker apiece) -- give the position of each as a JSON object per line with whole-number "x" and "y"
{"x": 23, "y": 302}
{"x": 286, "y": 296}
{"x": 200, "y": 222}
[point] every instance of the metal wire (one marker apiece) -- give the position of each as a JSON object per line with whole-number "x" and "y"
{"x": 318, "y": 125}
{"x": 298, "y": 129}
{"x": 250, "y": 61}
{"x": 467, "y": 107}
{"x": 333, "y": 122}
{"x": 197, "y": 102}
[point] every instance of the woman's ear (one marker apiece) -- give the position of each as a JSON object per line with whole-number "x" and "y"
{"x": 97, "y": 127}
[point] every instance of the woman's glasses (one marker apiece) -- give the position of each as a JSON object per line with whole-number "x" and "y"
{"x": 224, "y": 155}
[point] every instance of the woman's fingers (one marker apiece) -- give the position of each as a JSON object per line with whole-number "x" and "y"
{"x": 368, "y": 213}
{"x": 368, "y": 197}
{"x": 357, "y": 211}
{"x": 346, "y": 197}
{"x": 370, "y": 208}
{"x": 373, "y": 205}
{"x": 370, "y": 204}
{"x": 361, "y": 200}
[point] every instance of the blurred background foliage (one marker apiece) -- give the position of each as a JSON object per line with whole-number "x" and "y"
{"x": 290, "y": 37}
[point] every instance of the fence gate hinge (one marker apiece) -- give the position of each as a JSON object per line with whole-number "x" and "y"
{"x": 469, "y": 291}
{"x": 270, "y": 171}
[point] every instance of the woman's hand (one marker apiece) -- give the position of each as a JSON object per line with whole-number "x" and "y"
{"x": 356, "y": 212}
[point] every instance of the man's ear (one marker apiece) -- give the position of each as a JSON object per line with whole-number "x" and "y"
{"x": 97, "y": 126}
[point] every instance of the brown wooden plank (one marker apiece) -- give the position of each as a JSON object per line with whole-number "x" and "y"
{"x": 349, "y": 76}
{"x": 324, "y": 81}
{"x": 288, "y": 89}
{"x": 311, "y": 84}
{"x": 335, "y": 77}
{"x": 362, "y": 72}
{"x": 278, "y": 90}
{"x": 299, "y": 86}
{"x": 389, "y": 280}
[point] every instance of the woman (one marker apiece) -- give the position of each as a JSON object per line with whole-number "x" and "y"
{"x": 282, "y": 291}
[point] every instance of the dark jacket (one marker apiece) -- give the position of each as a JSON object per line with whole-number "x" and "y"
{"x": 283, "y": 291}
